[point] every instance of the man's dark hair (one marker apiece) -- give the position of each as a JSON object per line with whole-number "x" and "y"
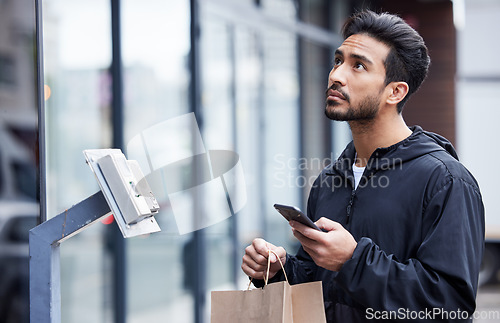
{"x": 408, "y": 59}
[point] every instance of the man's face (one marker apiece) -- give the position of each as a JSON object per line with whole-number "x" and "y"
{"x": 357, "y": 79}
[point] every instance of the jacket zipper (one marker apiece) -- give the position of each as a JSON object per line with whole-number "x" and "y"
{"x": 349, "y": 206}
{"x": 353, "y": 195}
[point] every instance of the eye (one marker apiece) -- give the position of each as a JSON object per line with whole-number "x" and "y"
{"x": 337, "y": 62}
{"x": 359, "y": 66}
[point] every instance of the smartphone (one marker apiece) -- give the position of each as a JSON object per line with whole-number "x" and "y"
{"x": 294, "y": 213}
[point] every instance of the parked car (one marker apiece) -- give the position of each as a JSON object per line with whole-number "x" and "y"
{"x": 16, "y": 219}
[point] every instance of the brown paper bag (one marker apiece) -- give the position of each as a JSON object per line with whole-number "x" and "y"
{"x": 275, "y": 303}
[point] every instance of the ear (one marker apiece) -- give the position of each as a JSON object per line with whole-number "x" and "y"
{"x": 397, "y": 92}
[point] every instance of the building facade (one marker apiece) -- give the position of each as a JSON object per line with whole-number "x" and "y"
{"x": 253, "y": 73}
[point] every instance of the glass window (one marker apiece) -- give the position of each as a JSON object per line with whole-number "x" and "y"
{"x": 248, "y": 105}
{"x": 317, "y": 12}
{"x": 25, "y": 178}
{"x": 7, "y": 71}
{"x": 316, "y": 151}
{"x": 254, "y": 109}
{"x": 252, "y": 104}
{"x": 77, "y": 57}
{"x": 77, "y": 53}
{"x": 281, "y": 9}
{"x": 155, "y": 45}
{"x": 18, "y": 140}
{"x": 280, "y": 130}
{"x": 18, "y": 229}
{"x": 218, "y": 100}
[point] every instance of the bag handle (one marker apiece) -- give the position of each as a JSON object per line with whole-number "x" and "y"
{"x": 266, "y": 278}
{"x": 269, "y": 266}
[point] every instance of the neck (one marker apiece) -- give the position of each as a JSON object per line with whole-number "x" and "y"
{"x": 377, "y": 133}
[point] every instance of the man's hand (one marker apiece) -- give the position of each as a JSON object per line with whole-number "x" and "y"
{"x": 329, "y": 250}
{"x": 255, "y": 259}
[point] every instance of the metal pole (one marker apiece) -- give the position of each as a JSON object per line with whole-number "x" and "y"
{"x": 198, "y": 200}
{"x": 300, "y": 126}
{"x": 118, "y": 243}
{"x": 42, "y": 167}
{"x": 236, "y": 260}
{"x": 44, "y": 241}
{"x": 261, "y": 134}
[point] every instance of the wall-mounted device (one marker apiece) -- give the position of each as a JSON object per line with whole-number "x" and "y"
{"x": 126, "y": 190}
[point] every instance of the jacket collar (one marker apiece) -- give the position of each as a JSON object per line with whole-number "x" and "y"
{"x": 381, "y": 159}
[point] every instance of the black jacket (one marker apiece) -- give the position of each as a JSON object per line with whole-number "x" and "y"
{"x": 418, "y": 218}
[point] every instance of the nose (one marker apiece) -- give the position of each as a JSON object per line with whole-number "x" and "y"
{"x": 337, "y": 75}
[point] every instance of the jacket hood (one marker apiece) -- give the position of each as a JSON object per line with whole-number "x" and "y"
{"x": 419, "y": 143}
{"x": 441, "y": 141}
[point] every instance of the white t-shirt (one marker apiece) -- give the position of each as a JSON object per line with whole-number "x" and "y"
{"x": 358, "y": 172}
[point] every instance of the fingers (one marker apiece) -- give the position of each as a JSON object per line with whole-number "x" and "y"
{"x": 303, "y": 239}
{"x": 329, "y": 249}
{"x": 259, "y": 251}
{"x": 254, "y": 263}
{"x": 281, "y": 252}
{"x": 328, "y": 225}
{"x": 255, "y": 260}
{"x": 253, "y": 269}
{"x": 305, "y": 231}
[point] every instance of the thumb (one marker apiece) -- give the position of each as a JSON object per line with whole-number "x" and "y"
{"x": 272, "y": 256}
{"x": 276, "y": 253}
{"x": 328, "y": 225}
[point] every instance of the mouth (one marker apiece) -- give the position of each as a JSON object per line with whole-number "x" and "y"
{"x": 334, "y": 95}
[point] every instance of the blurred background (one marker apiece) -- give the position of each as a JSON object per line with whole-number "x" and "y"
{"x": 254, "y": 73}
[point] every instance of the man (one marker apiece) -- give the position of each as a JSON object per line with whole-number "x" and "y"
{"x": 402, "y": 219}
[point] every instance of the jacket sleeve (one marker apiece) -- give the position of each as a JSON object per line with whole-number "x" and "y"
{"x": 442, "y": 276}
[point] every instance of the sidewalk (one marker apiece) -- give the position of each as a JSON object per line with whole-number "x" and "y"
{"x": 488, "y": 304}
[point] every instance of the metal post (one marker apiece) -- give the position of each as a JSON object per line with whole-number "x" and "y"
{"x": 118, "y": 243}
{"x": 261, "y": 134}
{"x": 235, "y": 253}
{"x": 40, "y": 84}
{"x": 301, "y": 44}
{"x": 44, "y": 242}
{"x": 195, "y": 106}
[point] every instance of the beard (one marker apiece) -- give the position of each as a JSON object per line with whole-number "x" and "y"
{"x": 365, "y": 111}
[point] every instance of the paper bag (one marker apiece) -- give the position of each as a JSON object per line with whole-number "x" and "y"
{"x": 275, "y": 303}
